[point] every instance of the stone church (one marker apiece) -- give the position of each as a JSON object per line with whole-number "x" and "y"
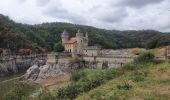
{"x": 78, "y": 45}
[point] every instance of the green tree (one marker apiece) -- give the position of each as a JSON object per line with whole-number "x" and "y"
{"x": 58, "y": 47}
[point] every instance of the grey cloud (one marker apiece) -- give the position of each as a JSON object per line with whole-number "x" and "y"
{"x": 114, "y": 15}
{"x": 110, "y": 14}
{"x": 42, "y": 2}
{"x": 22, "y": 1}
{"x": 56, "y": 12}
{"x": 59, "y": 12}
{"x": 137, "y": 3}
{"x": 95, "y": 8}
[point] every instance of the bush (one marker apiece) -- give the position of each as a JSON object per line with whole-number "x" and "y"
{"x": 45, "y": 95}
{"x": 140, "y": 76}
{"x": 58, "y": 47}
{"x": 85, "y": 80}
{"x": 145, "y": 57}
{"x": 20, "y": 91}
{"x": 77, "y": 75}
{"x": 69, "y": 92}
{"x": 124, "y": 86}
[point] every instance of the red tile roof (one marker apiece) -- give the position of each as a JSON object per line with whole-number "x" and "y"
{"x": 71, "y": 41}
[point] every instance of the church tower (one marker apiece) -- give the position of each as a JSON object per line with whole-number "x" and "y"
{"x": 64, "y": 36}
{"x": 86, "y": 40}
{"x": 79, "y": 37}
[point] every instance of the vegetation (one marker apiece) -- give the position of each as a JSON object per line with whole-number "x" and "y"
{"x": 16, "y": 90}
{"x": 118, "y": 81}
{"x": 145, "y": 57}
{"x": 58, "y": 47}
{"x": 15, "y": 36}
{"x": 146, "y": 82}
{"x": 139, "y": 80}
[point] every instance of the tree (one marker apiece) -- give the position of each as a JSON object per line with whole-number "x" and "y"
{"x": 58, "y": 47}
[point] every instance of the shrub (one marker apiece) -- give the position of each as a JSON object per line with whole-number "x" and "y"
{"x": 58, "y": 47}
{"x": 140, "y": 76}
{"x": 145, "y": 57}
{"x": 85, "y": 80}
{"x": 20, "y": 91}
{"x": 75, "y": 76}
{"x": 45, "y": 95}
{"x": 124, "y": 86}
{"x": 69, "y": 92}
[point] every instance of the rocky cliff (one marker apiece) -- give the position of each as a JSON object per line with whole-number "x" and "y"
{"x": 11, "y": 65}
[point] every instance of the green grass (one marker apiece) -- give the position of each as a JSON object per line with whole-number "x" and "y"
{"x": 11, "y": 76}
{"x": 15, "y": 89}
{"x": 147, "y": 82}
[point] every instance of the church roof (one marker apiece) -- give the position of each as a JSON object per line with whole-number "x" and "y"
{"x": 71, "y": 41}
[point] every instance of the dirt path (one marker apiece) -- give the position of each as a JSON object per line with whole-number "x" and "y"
{"x": 54, "y": 82}
{"x": 12, "y": 79}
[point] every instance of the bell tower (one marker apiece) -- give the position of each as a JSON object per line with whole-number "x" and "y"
{"x": 79, "y": 37}
{"x": 64, "y": 36}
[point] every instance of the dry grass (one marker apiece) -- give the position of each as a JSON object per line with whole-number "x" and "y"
{"x": 155, "y": 86}
{"x": 55, "y": 82}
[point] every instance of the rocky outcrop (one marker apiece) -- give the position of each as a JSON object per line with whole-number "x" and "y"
{"x": 37, "y": 74}
{"x": 8, "y": 67}
{"x": 13, "y": 65}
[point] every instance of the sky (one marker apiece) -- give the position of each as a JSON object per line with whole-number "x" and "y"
{"x": 107, "y": 14}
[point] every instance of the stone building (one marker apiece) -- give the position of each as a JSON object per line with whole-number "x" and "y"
{"x": 167, "y": 52}
{"x": 74, "y": 45}
{"x": 91, "y": 51}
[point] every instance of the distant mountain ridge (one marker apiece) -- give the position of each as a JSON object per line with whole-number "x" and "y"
{"x": 15, "y": 35}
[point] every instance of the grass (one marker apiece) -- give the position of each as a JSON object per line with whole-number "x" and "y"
{"x": 11, "y": 76}
{"x": 12, "y": 90}
{"x": 150, "y": 82}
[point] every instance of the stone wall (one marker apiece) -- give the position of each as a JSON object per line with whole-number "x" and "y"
{"x": 112, "y": 61}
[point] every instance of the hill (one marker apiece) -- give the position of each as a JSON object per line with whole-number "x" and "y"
{"x": 145, "y": 79}
{"x": 15, "y": 35}
{"x": 149, "y": 82}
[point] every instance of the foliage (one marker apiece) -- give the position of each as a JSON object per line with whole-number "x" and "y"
{"x": 15, "y": 36}
{"x": 124, "y": 86}
{"x": 145, "y": 83}
{"x": 145, "y": 57}
{"x": 85, "y": 80}
{"x": 44, "y": 95}
{"x": 139, "y": 76}
{"x": 20, "y": 91}
{"x": 58, "y": 47}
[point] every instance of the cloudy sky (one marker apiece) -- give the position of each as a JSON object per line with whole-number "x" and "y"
{"x": 108, "y": 14}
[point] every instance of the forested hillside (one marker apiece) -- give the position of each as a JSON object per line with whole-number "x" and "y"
{"x": 15, "y": 36}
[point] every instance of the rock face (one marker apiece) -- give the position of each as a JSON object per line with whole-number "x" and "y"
{"x": 13, "y": 65}
{"x": 36, "y": 73}
{"x": 8, "y": 67}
